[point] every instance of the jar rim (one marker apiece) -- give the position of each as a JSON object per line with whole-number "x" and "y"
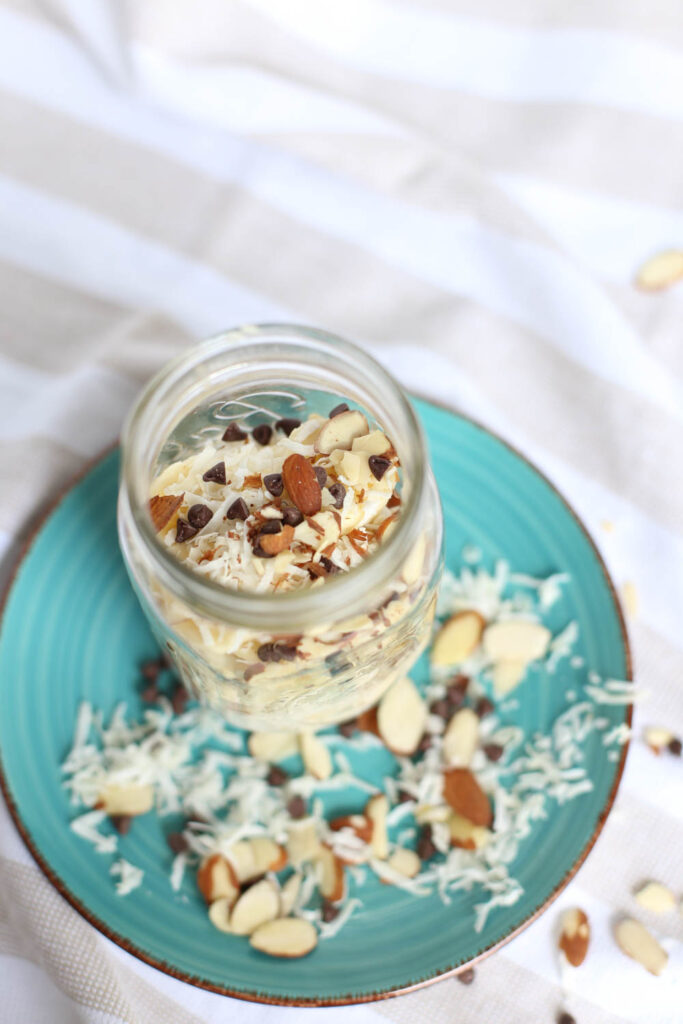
{"x": 248, "y": 608}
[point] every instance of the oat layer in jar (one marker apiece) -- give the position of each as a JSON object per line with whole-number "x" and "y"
{"x": 281, "y": 525}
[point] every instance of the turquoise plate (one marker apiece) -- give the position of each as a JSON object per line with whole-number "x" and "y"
{"x": 72, "y": 629}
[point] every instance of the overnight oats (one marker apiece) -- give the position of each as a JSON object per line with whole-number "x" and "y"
{"x": 281, "y": 525}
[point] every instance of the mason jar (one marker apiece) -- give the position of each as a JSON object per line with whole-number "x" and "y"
{"x": 357, "y": 632}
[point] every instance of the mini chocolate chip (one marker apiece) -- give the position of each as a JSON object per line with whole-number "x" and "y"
{"x": 483, "y": 707}
{"x": 378, "y": 465}
{"x": 184, "y": 531}
{"x": 566, "y": 1018}
{"x": 276, "y": 776}
{"x": 177, "y": 842}
{"x": 466, "y": 977}
{"x": 288, "y": 424}
{"x": 404, "y": 797}
{"x": 121, "y": 823}
{"x": 238, "y": 510}
{"x": 276, "y": 652}
{"x": 424, "y": 744}
{"x": 150, "y": 694}
{"x": 271, "y": 526}
{"x": 150, "y": 669}
{"x": 297, "y": 807}
{"x": 674, "y": 747}
{"x": 291, "y": 516}
{"x": 216, "y": 475}
{"x": 234, "y": 433}
{"x": 320, "y": 475}
{"x": 425, "y": 844}
{"x": 199, "y": 515}
{"x": 441, "y": 707}
{"x": 493, "y": 751}
{"x": 262, "y": 433}
{"x": 338, "y": 492}
{"x": 338, "y": 410}
{"x": 347, "y": 729}
{"x": 328, "y": 565}
{"x": 179, "y": 698}
{"x": 457, "y": 688}
{"x": 165, "y": 661}
{"x": 273, "y": 482}
{"x": 328, "y": 911}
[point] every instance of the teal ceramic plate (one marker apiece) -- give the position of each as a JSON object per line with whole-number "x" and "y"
{"x": 72, "y": 630}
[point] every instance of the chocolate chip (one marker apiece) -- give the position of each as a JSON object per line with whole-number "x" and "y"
{"x": 199, "y": 515}
{"x": 328, "y": 911}
{"x": 276, "y": 652}
{"x": 273, "y": 482}
{"x": 466, "y": 977}
{"x": 320, "y": 475}
{"x": 338, "y": 492}
{"x": 566, "y": 1018}
{"x": 483, "y": 707}
{"x": 121, "y": 823}
{"x": 276, "y": 776}
{"x": 404, "y": 797}
{"x": 457, "y": 688}
{"x": 177, "y": 842}
{"x": 347, "y": 729}
{"x": 674, "y": 747}
{"x": 291, "y": 516}
{"x": 329, "y": 566}
{"x": 234, "y": 433}
{"x": 150, "y": 669}
{"x": 150, "y": 694}
{"x": 297, "y": 807}
{"x": 425, "y": 844}
{"x": 271, "y": 526}
{"x": 378, "y": 465}
{"x": 493, "y": 751}
{"x": 424, "y": 744}
{"x": 184, "y": 531}
{"x": 215, "y": 475}
{"x": 288, "y": 424}
{"x": 338, "y": 410}
{"x": 238, "y": 510}
{"x": 179, "y": 698}
{"x": 262, "y": 433}
{"x": 441, "y": 707}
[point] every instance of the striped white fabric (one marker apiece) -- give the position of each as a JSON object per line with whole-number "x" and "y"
{"x": 466, "y": 188}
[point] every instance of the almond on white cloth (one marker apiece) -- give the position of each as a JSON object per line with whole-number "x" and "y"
{"x": 656, "y": 897}
{"x": 657, "y": 738}
{"x": 458, "y": 638}
{"x": 287, "y": 937}
{"x": 575, "y": 936}
{"x": 636, "y": 941}
{"x": 661, "y": 271}
{"x": 401, "y": 717}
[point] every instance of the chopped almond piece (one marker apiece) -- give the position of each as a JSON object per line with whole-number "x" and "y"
{"x": 358, "y": 823}
{"x": 656, "y": 897}
{"x": 405, "y": 862}
{"x": 376, "y": 810}
{"x": 216, "y": 879}
{"x": 466, "y": 797}
{"x": 162, "y": 508}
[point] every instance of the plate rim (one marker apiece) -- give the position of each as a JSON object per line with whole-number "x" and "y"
{"x": 349, "y": 999}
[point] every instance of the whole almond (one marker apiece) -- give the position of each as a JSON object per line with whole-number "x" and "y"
{"x": 274, "y": 543}
{"x": 575, "y": 936}
{"x": 162, "y": 508}
{"x": 302, "y": 484}
{"x": 464, "y": 794}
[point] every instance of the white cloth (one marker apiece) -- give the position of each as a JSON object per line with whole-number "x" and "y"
{"x": 467, "y": 187}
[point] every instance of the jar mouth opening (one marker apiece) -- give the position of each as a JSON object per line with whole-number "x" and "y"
{"x": 179, "y": 382}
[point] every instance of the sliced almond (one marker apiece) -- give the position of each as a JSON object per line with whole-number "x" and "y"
{"x": 458, "y": 638}
{"x": 663, "y": 270}
{"x": 401, "y": 717}
{"x": 289, "y": 894}
{"x": 340, "y": 431}
{"x": 414, "y": 563}
{"x": 657, "y": 738}
{"x": 461, "y": 738}
{"x": 331, "y": 876}
{"x": 507, "y": 675}
{"x": 464, "y": 794}
{"x": 376, "y": 810}
{"x": 635, "y": 941}
{"x": 629, "y": 596}
{"x": 258, "y": 904}
{"x": 272, "y": 746}
{"x": 286, "y": 937}
{"x": 405, "y": 862}
{"x": 274, "y": 543}
{"x": 656, "y": 897}
{"x": 355, "y": 468}
{"x": 430, "y": 814}
{"x": 367, "y": 721}
{"x": 316, "y": 757}
{"x": 302, "y": 484}
{"x": 268, "y": 855}
{"x": 575, "y": 936}
{"x": 374, "y": 443}
{"x": 360, "y": 824}
{"x": 515, "y": 640}
{"x": 162, "y": 508}
{"x": 219, "y": 913}
{"x": 302, "y": 843}
{"x": 126, "y": 800}
{"x": 387, "y": 527}
{"x": 217, "y": 879}
{"x": 466, "y": 835}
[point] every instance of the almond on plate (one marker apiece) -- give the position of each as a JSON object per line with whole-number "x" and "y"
{"x": 458, "y": 638}
{"x": 268, "y": 855}
{"x": 302, "y": 842}
{"x": 162, "y": 508}
{"x": 331, "y": 875}
{"x": 466, "y": 835}
{"x": 367, "y": 721}
{"x": 216, "y": 879}
{"x": 302, "y": 484}
{"x": 464, "y": 794}
{"x": 661, "y": 271}
{"x": 242, "y": 858}
{"x": 219, "y": 913}
{"x": 575, "y": 936}
{"x": 507, "y": 675}
{"x": 635, "y": 941}
{"x": 289, "y": 893}
{"x": 316, "y": 757}
{"x": 126, "y": 799}
{"x": 431, "y": 814}
{"x": 257, "y": 904}
{"x": 405, "y": 862}
{"x": 358, "y": 823}
{"x": 341, "y": 431}
{"x": 272, "y": 746}
{"x": 376, "y": 810}
{"x": 656, "y": 897}
{"x": 516, "y": 640}
{"x": 461, "y": 738}
{"x": 657, "y": 738}
{"x": 285, "y": 937}
{"x": 401, "y": 717}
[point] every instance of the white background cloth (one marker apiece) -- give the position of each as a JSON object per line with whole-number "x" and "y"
{"x": 467, "y": 188}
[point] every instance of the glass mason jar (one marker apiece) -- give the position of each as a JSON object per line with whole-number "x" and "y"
{"x": 358, "y": 631}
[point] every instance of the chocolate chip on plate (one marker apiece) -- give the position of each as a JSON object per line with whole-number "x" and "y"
{"x": 276, "y": 776}
{"x": 288, "y": 424}
{"x": 291, "y": 516}
{"x": 424, "y": 744}
{"x": 262, "y": 433}
{"x": 329, "y": 566}
{"x": 378, "y": 465}
{"x": 338, "y": 492}
{"x": 238, "y": 510}
{"x": 234, "y": 433}
{"x": 184, "y": 531}
{"x": 347, "y": 729}
{"x": 199, "y": 515}
{"x": 179, "y": 698}
{"x": 483, "y": 707}
{"x": 150, "y": 669}
{"x": 215, "y": 475}
{"x": 274, "y": 483}
{"x": 150, "y": 694}
{"x": 338, "y": 410}
{"x": 493, "y": 751}
{"x": 404, "y": 797}
{"x": 321, "y": 475}
{"x": 456, "y": 690}
{"x": 121, "y": 823}
{"x": 674, "y": 746}
{"x": 466, "y": 977}
{"x": 441, "y": 707}
{"x": 177, "y": 842}
{"x": 328, "y": 911}
{"x": 425, "y": 844}
{"x": 297, "y": 807}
